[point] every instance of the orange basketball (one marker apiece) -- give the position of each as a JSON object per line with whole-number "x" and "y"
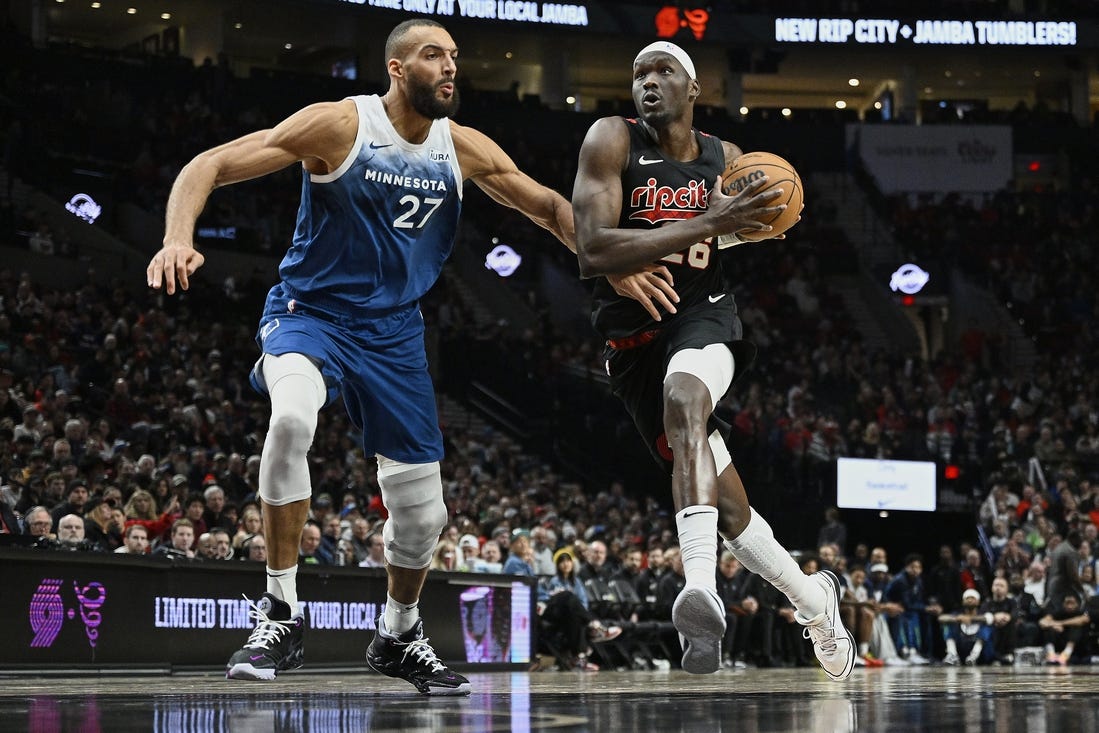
{"x": 750, "y": 166}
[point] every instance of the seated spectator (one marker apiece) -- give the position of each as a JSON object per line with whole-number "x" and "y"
{"x": 376, "y": 555}
{"x": 360, "y": 545}
{"x": 740, "y": 608}
{"x": 214, "y": 514}
{"x": 74, "y": 503}
{"x": 135, "y": 541}
{"x": 520, "y": 555}
{"x": 38, "y": 523}
{"x": 180, "y": 541}
{"x": 1006, "y": 617}
{"x": 70, "y": 531}
{"x": 254, "y": 549}
{"x": 1063, "y": 628}
{"x": 194, "y": 511}
{"x": 204, "y": 547}
{"x": 858, "y": 611}
{"x": 491, "y": 559}
{"x": 445, "y": 556}
{"x": 470, "y": 549}
{"x": 968, "y": 632}
{"x": 567, "y": 624}
{"x": 251, "y": 524}
{"x": 223, "y": 546}
{"x": 910, "y": 628}
{"x": 99, "y": 527}
{"x": 141, "y": 509}
{"x": 542, "y": 547}
{"x": 311, "y": 551}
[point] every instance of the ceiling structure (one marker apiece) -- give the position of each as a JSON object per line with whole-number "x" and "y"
{"x": 308, "y": 35}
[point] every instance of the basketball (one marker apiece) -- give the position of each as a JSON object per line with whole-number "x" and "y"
{"x": 750, "y": 166}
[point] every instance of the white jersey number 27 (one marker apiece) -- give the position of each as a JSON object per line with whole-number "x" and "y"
{"x": 407, "y": 220}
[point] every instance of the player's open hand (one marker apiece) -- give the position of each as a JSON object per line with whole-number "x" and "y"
{"x": 173, "y": 262}
{"x": 652, "y": 287}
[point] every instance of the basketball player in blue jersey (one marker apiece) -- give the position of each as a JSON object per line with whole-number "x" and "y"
{"x": 648, "y": 190}
{"x": 381, "y": 194}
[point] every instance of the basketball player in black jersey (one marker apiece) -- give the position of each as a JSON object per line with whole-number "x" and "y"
{"x": 648, "y": 190}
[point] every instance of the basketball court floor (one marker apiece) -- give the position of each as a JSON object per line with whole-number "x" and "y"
{"x": 898, "y": 700}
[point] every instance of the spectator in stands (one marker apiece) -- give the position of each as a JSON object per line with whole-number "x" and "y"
{"x": 311, "y": 551}
{"x": 1064, "y": 627}
{"x": 520, "y": 556}
{"x": 99, "y": 527}
{"x": 195, "y": 510}
{"x": 70, "y": 530}
{"x": 1007, "y": 616}
{"x": 911, "y": 628}
{"x": 204, "y": 547}
{"x": 223, "y": 545}
{"x": 833, "y": 531}
{"x": 859, "y": 611}
{"x": 251, "y": 524}
{"x": 740, "y": 609}
{"x": 136, "y": 541}
{"x": 973, "y": 573}
{"x": 74, "y": 503}
{"x": 360, "y": 539}
{"x": 944, "y": 581}
{"x": 564, "y": 617}
{"x": 968, "y": 632}
{"x": 180, "y": 542}
{"x": 445, "y": 556}
{"x": 595, "y": 563}
{"x": 254, "y": 548}
{"x": 376, "y": 555}
{"x": 543, "y": 551}
{"x": 38, "y": 522}
{"x": 214, "y": 514}
{"x": 141, "y": 509}
{"x": 491, "y": 558}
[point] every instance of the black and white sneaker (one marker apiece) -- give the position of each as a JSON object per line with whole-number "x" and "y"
{"x": 274, "y": 646}
{"x": 411, "y": 658}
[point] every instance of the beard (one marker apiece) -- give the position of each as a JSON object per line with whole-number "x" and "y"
{"x": 423, "y": 99}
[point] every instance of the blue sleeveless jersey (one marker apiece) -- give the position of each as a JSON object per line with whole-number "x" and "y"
{"x": 372, "y": 235}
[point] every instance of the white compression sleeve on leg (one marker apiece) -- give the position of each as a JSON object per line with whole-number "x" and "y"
{"x": 713, "y": 365}
{"x": 413, "y": 496}
{"x": 759, "y": 551}
{"x": 297, "y": 394}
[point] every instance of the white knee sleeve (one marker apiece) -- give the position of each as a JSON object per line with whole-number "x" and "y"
{"x": 297, "y": 393}
{"x": 713, "y": 365}
{"x": 413, "y": 495}
{"x": 722, "y": 459}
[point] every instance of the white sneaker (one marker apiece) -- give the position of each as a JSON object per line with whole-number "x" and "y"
{"x": 699, "y": 617}
{"x": 833, "y": 644}
{"x": 896, "y": 662}
{"x": 952, "y": 659}
{"x": 915, "y": 658}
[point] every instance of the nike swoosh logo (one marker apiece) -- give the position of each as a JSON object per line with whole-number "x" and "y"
{"x": 715, "y": 298}
{"x": 256, "y": 659}
{"x": 642, "y": 161}
{"x": 379, "y": 147}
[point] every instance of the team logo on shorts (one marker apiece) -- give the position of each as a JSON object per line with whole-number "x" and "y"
{"x": 267, "y": 329}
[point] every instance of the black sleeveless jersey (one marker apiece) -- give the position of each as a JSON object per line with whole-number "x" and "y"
{"x": 657, "y": 191}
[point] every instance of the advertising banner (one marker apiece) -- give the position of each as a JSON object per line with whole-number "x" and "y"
{"x": 92, "y": 610}
{"x": 934, "y": 158}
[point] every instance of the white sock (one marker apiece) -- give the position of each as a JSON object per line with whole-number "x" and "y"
{"x": 698, "y": 544}
{"x": 759, "y": 551}
{"x": 399, "y": 617}
{"x": 864, "y": 648}
{"x": 283, "y": 584}
{"x": 978, "y": 647}
{"x": 951, "y": 647}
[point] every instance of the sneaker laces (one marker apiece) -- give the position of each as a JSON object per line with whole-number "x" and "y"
{"x": 267, "y": 630}
{"x": 825, "y": 638}
{"x": 423, "y": 654}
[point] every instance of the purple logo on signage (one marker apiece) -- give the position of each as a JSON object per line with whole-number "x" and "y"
{"x": 47, "y": 612}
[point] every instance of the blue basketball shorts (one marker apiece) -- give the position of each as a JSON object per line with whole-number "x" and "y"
{"x": 377, "y": 363}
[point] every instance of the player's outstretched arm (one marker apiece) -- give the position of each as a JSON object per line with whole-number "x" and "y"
{"x": 320, "y": 135}
{"x": 486, "y": 164}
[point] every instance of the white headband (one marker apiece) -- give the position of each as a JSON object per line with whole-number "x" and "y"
{"x": 672, "y": 50}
